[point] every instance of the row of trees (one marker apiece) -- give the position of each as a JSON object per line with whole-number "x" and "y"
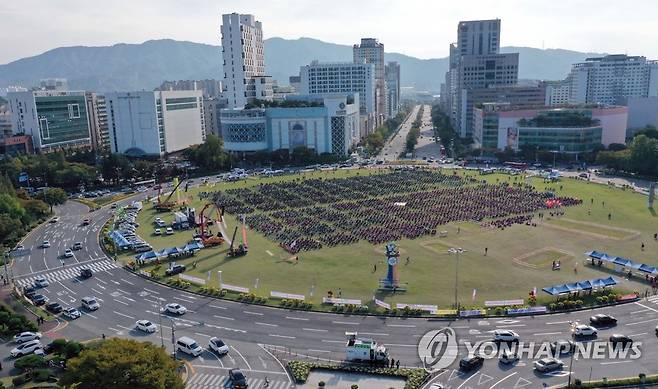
{"x": 375, "y": 141}
{"x": 640, "y": 157}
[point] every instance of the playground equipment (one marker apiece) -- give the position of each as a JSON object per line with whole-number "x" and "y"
{"x": 167, "y": 205}
{"x": 206, "y": 237}
{"x": 242, "y": 248}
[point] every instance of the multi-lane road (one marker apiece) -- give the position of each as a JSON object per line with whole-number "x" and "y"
{"x": 251, "y": 331}
{"x": 426, "y": 147}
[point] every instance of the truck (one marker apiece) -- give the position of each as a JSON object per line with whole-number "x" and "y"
{"x": 364, "y": 350}
{"x": 181, "y": 221}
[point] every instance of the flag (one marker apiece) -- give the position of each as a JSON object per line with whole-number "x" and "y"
{"x": 256, "y": 283}
{"x": 208, "y": 275}
{"x": 475, "y": 291}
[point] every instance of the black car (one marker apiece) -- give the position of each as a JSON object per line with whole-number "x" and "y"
{"x": 471, "y": 362}
{"x": 39, "y": 299}
{"x": 176, "y": 269}
{"x": 624, "y": 340}
{"x": 54, "y": 307}
{"x": 602, "y": 320}
{"x": 29, "y": 288}
{"x": 85, "y": 272}
{"x": 238, "y": 380}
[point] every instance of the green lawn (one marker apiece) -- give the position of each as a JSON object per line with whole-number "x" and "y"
{"x": 430, "y": 273}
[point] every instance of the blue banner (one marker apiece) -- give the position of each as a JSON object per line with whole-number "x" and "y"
{"x": 520, "y": 311}
{"x": 23, "y": 177}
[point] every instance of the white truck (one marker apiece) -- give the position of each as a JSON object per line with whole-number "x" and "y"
{"x": 364, "y": 350}
{"x": 181, "y": 221}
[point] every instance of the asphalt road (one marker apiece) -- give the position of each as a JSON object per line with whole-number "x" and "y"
{"x": 396, "y": 144}
{"x": 250, "y": 330}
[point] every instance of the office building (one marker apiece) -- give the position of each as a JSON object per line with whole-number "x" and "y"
{"x": 324, "y": 124}
{"x": 100, "y": 137}
{"x": 557, "y": 92}
{"x": 15, "y": 145}
{"x": 642, "y": 112}
{"x": 392, "y": 72}
{"x": 154, "y": 123}
{"x": 5, "y": 121}
{"x": 211, "y": 114}
{"x": 371, "y": 51}
{"x": 210, "y": 88}
{"x": 244, "y": 61}
{"x": 295, "y": 82}
{"x": 570, "y": 130}
{"x": 478, "y": 37}
{"x": 55, "y": 120}
{"x": 612, "y": 79}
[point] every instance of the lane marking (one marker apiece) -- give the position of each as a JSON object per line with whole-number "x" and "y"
{"x": 314, "y": 329}
{"x": 318, "y": 351}
{"x": 347, "y": 323}
{"x": 373, "y": 333}
{"x": 253, "y": 313}
{"x": 265, "y": 324}
{"x": 615, "y": 362}
{"x": 501, "y": 380}
{"x": 641, "y": 322}
{"x": 559, "y": 322}
{"x": 216, "y": 306}
{"x": 154, "y": 292}
{"x": 223, "y": 317}
{"x": 281, "y": 336}
{"x": 124, "y": 315}
{"x": 649, "y": 308}
{"x": 640, "y": 334}
{"x": 242, "y": 356}
{"x": 121, "y": 302}
{"x": 297, "y": 318}
{"x": 401, "y": 325}
{"x": 546, "y": 333}
{"x": 128, "y": 282}
{"x": 401, "y": 345}
{"x": 466, "y": 380}
{"x": 333, "y": 341}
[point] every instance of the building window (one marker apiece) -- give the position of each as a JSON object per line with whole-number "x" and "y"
{"x": 74, "y": 111}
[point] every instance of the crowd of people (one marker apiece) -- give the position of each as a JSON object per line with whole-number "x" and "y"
{"x": 304, "y": 215}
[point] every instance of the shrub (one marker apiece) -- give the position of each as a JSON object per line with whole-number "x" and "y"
{"x": 30, "y": 362}
{"x": 18, "y": 380}
{"x": 41, "y": 375}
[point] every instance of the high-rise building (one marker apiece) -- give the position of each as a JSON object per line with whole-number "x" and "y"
{"x": 612, "y": 79}
{"x": 54, "y": 119}
{"x": 100, "y": 138}
{"x": 211, "y": 114}
{"x": 475, "y": 63}
{"x": 209, "y": 87}
{"x": 371, "y": 51}
{"x": 244, "y": 61}
{"x": 557, "y": 92}
{"x": 392, "y": 72}
{"x": 154, "y": 123}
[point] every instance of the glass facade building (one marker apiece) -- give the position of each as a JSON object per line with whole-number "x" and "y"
{"x": 562, "y": 139}
{"x": 62, "y": 119}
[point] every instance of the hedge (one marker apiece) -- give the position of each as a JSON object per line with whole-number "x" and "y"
{"x": 414, "y": 377}
{"x": 648, "y": 380}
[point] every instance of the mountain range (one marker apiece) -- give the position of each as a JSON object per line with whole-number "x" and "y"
{"x": 129, "y": 67}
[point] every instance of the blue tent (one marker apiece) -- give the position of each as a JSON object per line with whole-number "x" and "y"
{"x": 584, "y": 285}
{"x": 622, "y": 261}
{"x": 119, "y": 239}
{"x": 610, "y": 281}
{"x": 147, "y": 256}
{"x": 580, "y": 286}
{"x": 171, "y": 251}
{"x": 595, "y": 254}
{"x": 193, "y": 247}
{"x": 647, "y": 268}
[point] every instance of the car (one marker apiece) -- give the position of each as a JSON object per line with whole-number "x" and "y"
{"x": 18, "y": 247}
{"x": 436, "y": 386}
{"x": 90, "y": 303}
{"x": 77, "y": 246}
{"x": 39, "y": 299}
{"x": 508, "y": 357}
{"x": 471, "y": 362}
{"x": 68, "y": 253}
{"x": 176, "y": 269}
{"x": 85, "y": 272}
{"x": 584, "y": 330}
{"x": 113, "y": 206}
{"x": 55, "y": 219}
{"x": 624, "y": 340}
{"x": 71, "y": 313}
{"x": 563, "y": 346}
{"x": 146, "y": 326}
{"x": 169, "y": 231}
{"x": 602, "y": 320}
{"x": 29, "y": 289}
{"x": 175, "y": 308}
{"x": 157, "y": 231}
{"x": 238, "y": 379}
{"x": 217, "y": 345}
{"x": 26, "y": 348}
{"x": 45, "y": 244}
{"x": 188, "y": 346}
{"x": 86, "y": 222}
{"x": 54, "y": 307}
{"x": 41, "y": 282}
{"x": 26, "y": 336}
{"x": 545, "y": 365}
{"x": 505, "y": 336}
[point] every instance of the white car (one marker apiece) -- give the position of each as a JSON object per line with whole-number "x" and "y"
{"x": 68, "y": 253}
{"x": 217, "y": 345}
{"x": 45, "y": 244}
{"x": 584, "y": 330}
{"x": 157, "y": 231}
{"x": 71, "y": 313}
{"x": 146, "y": 326}
{"x": 26, "y": 348}
{"x": 41, "y": 282}
{"x": 175, "y": 308}
{"x": 505, "y": 336}
{"x": 508, "y": 357}
{"x": 55, "y": 219}
{"x": 27, "y": 336}
{"x": 169, "y": 231}
{"x": 548, "y": 364}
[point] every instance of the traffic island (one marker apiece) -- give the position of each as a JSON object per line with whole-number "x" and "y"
{"x": 414, "y": 377}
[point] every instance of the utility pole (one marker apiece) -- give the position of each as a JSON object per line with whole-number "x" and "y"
{"x": 571, "y": 369}
{"x": 456, "y": 251}
{"x": 160, "y": 318}
{"x": 173, "y": 336}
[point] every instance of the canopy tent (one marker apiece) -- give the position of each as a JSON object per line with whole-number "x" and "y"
{"x": 119, "y": 239}
{"x": 579, "y": 286}
{"x": 601, "y": 256}
{"x": 196, "y": 246}
{"x": 171, "y": 251}
{"x": 147, "y": 256}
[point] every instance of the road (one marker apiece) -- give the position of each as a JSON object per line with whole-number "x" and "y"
{"x": 426, "y": 147}
{"x": 249, "y": 330}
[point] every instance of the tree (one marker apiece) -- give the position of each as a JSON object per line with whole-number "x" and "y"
{"x": 616, "y": 147}
{"x": 114, "y": 166}
{"x": 644, "y": 155}
{"x": 52, "y": 196}
{"x": 123, "y": 364}
{"x": 649, "y": 132}
{"x": 210, "y": 155}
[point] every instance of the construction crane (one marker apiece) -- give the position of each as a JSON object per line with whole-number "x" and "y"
{"x": 167, "y": 205}
{"x": 242, "y": 248}
{"x": 206, "y": 238}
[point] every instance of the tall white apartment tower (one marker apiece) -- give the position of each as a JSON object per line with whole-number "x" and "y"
{"x": 244, "y": 61}
{"x": 371, "y": 51}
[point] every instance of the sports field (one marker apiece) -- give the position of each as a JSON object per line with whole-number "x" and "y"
{"x": 518, "y": 258}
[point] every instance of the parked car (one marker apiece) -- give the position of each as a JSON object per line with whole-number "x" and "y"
{"x": 39, "y": 299}
{"x": 41, "y": 282}
{"x": 54, "y": 307}
{"x": 71, "y": 313}
{"x": 169, "y": 231}
{"x": 26, "y": 348}
{"x": 563, "y": 347}
{"x": 27, "y": 336}
{"x": 545, "y": 365}
{"x": 90, "y": 303}
{"x": 175, "y": 308}
{"x": 217, "y": 345}
{"x": 77, "y": 246}
{"x": 68, "y": 253}
{"x": 508, "y": 357}
{"x": 471, "y": 362}
{"x": 602, "y": 320}
{"x": 146, "y": 326}
{"x": 176, "y": 269}
{"x": 238, "y": 379}
{"x": 86, "y": 222}
{"x": 157, "y": 232}
{"x": 623, "y": 340}
{"x": 55, "y": 219}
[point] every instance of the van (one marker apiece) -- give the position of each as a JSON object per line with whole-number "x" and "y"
{"x": 90, "y": 303}
{"x": 188, "y": 346}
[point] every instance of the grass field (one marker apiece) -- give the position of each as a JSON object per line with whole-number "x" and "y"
{"x": 518, "y": 258}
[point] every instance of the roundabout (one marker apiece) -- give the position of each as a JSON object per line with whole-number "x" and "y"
{"x": 260, "y": 337}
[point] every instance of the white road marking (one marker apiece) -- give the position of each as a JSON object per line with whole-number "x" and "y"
{"x": 124, "y": 315}
{"x": 265, "y": 324}
{"x": 546, "y": 333}
{"x": 314, "y": 330}
{"x": 501, "y": 380}
{"x": 127, "y": 282}
{"x": 333, "y": 341}
{"x": 401, "y": 325}
{"x": 649, "y": 308}
{"x": 253, "y": 313}
{"x": 347, "y": 323}
{"x": 154, "y": 292}
{"x": 401, "y": 345}
{"x": 641, "y": 322}
{"x": 466, "y": 380}
{"x": 281, "y": 336}
{"x": 373, "y": 333}
{"x": 121, "y": 302}
{"x": 616, "y": 362}
{"x": 63, "y": 286}
{"x": 634, "y": 335}
{"x": 223, "y": 317}
{"x": 243, "y": 358}
{"x": 216, "y": 306}
{"x": 560, "y": 322}
{"x": 297, "y": 318}
{"x": 97, "y": 292}
{"x": 319, "y": 351}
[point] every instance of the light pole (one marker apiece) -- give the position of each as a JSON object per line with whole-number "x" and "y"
{"x": 456, "y": 251}
{"x": 571, "y": 368}
{"x": 173, "y": 337}
{"x": 219, "y": 276}
{"x": 160, "y": 319}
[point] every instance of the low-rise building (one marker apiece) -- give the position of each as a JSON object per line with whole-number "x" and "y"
{"x": 16, "y": 145}
{"x": 154, "y": 123}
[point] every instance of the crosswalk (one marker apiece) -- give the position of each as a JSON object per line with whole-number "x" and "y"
{"x": 653, "y": 299}
{"x": 212, "y": 381}
{"x": 67, "y": 273}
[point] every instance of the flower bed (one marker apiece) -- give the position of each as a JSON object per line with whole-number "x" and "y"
{"x": 415, "y": 378}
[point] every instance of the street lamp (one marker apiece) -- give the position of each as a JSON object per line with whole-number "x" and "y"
{"x": 173, "y": 336}
{"x": 160, "y": 319}
{"x": 571, "y": 369}
{"x": 456, "y": 251}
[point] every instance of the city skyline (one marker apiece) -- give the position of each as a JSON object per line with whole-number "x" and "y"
{"x": 584, "y": 25}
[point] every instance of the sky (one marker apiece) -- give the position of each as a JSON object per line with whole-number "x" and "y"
{"x": 419, "y": 28}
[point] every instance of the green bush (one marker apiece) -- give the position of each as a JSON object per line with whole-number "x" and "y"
{"x": 41, "y": 375}
{"x": 18, "y": 380}
{"x": 30, "y": 362}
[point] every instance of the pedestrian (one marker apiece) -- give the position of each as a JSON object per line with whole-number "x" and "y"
{"x": 103, "y": 336}
{"x": 407, "y": 261}
{"x": 655, "y": 236}
{"x": 459, "y": 229}
{"x": 392, "y": 362}
{"x": 609, "y": 216}
{"x": 374, "y": 268}
{"x": 642, "y": 246}
{"x": 340, "y": 292}
{"x": 397, "y": 364}
{"x": 486, "y": 250}
{"x": 603, "y": 202}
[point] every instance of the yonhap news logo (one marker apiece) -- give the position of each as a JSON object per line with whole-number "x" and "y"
{"x": 438, "y": 349}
